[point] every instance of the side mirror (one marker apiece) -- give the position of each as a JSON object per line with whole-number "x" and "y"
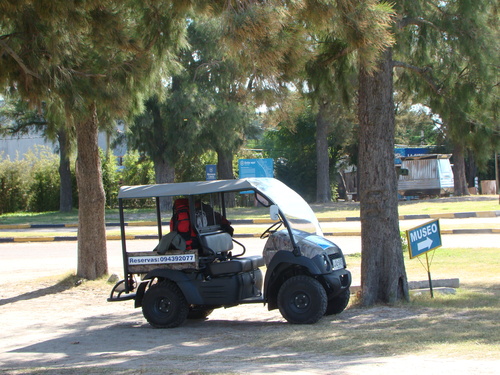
{"x": 274, "y": 212}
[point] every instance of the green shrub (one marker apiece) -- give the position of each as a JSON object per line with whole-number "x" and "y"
{"x": 44, "y": 187}
{"x": 44, "y": 190}
{"x": 334, "y": 188}
{"x": 13, "y": 185}
{"x": 110, "y": 178}
{"x": 32, "y": 183}
{"x": 137, "y": 170}
{"x": 193, "y": 168}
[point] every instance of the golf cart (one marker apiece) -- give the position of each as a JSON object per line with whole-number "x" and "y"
{"x": 188, "y": 275}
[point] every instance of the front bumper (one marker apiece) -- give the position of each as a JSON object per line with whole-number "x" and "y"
{"x": 337, "y": 281}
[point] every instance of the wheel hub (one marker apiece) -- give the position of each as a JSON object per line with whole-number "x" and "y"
{"x": 301, "y": 301}
{"x": 164, "y": 305}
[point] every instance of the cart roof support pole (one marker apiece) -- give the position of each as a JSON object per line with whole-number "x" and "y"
{"x": 158, "y": 217}
{"x": 124, "y": 245}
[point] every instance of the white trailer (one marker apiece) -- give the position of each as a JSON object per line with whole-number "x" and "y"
{"x": 429, "y": 174}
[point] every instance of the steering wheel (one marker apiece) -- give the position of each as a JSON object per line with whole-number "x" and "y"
{"x": 273, "y": 228}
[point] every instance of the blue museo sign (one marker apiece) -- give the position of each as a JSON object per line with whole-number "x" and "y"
{"x": 424, "y": 238}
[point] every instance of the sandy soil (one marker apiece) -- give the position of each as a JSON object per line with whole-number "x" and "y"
{"x": 67, "y": 329}
{"x": 63, "y": 329}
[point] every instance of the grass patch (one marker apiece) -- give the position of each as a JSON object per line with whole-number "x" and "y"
{"x": 463, "y": 325}
{"x": 409, "y": 329}
{"x": 54, "y": 217}
{"x": 471, "y": 297}
{"x": 424, "y": 206}
{"x": 474, "y": 267}
{"x": 479, "y": 266}
{"x": 450, "y": 205}
{"x": 333, "y": 210}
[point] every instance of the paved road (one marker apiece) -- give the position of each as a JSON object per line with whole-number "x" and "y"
{"x": 19, "y": 261}
{"x": 22, "y": 260}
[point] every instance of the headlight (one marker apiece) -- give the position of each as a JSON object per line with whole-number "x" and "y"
{"x": 326, "y": 262}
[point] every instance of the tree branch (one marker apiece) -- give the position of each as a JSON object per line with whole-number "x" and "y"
{"x": 206, "y": 66}
{"x": 16, "y": 57}
{"x": 86, "y": 75}
{"x": 415, "y": 21}
{"x": 326, "y": 59}
{"x": 422, "y": 72}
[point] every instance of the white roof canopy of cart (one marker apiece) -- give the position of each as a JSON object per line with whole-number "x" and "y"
{"x": 199, "y": 187}
{"x": 288, "y": 201}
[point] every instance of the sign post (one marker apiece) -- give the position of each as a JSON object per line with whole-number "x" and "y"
{"x": 423, "y": 239}
{"x": 429, "y": 274}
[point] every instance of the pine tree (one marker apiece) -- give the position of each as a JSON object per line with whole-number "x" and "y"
{"x": 96, "y": 57}
{"x": 428, "y": 33}
{"x": 330, "y": 77}
{"x": 203, "y": 107}
{"x": 223, "y": 80}
{"x": 448, "y": 51}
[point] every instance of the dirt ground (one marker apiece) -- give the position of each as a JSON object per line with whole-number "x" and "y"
{"x": 67, "y": 329}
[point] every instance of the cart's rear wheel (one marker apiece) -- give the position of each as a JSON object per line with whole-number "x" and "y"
{"x": 164, "y": 305}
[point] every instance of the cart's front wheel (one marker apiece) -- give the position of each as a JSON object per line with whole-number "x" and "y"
{"x": 164, "y": 305}
{"x": 302, "y": 300}
{"x": 338, "y": 303}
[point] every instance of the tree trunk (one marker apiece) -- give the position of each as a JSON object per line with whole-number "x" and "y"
{"x": 383, "y": 275}
{"x": 224, "y": 165}
{"x": 460, "y": 182}
{"x": 92, "y": 255}
{"x": 470, "y": 170}
{"x": 65, "y": 192}
{"x": 497, "y": 177}
{"x": 225, "y": 172}
{"x": 323, "y": 191}
{"x": 164, "y": 173}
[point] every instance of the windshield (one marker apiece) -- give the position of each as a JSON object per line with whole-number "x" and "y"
{"x": 299, "y": 214}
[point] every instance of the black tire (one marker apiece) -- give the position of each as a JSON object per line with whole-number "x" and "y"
{"x": 338, "y": 303}
{"x": 302, "y": 300}
{"x": 199, "y": 312}
{"x": 164, "y": 305}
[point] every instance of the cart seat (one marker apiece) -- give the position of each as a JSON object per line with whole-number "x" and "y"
{"x": 216, "y": 242}
{"x": 236, "y": 265}
{"x": 257, "y": 261}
